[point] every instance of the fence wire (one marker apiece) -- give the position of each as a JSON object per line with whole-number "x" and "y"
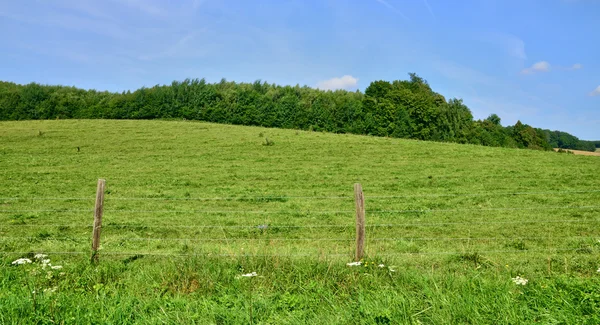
{"x": 282, "y": 197}
{"x": 349, "y": 254}
{"x": 274, "y": 226}
{"x": 309, "y": 239}
{"x": 255, "y": 212}
{"x": 269, "y": 226}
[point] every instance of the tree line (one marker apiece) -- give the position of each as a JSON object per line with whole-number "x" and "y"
{"x": 558, "y": 139}
{"x": 401, "y": 108}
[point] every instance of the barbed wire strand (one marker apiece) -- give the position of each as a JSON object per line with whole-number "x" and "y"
{"x": 267, "y": 197}
{"x": 310, "y": 239}
{"x": 46, "y": 210}
{"x": 136, "y": 176}
{"x": 556, "y": 250}
{"x": 111, "y": 211}
{"x": 433, "y": 224}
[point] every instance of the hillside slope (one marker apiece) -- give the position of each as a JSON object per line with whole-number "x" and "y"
{"x": 190, "y": 206}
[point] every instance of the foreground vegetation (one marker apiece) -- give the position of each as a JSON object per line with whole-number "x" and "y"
{"x": 191, "y": 206}
{"x": 400, "y": 109}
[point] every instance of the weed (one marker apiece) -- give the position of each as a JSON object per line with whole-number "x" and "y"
{"x": 268, "y": 142}
{"x": 517, "y": 244}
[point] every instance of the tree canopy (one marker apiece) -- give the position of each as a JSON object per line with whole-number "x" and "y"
{"x": 400, "y": 108}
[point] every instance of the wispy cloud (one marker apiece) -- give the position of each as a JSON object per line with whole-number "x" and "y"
{"x": 511, "y": 45}
{"x": 73, "y": 22}
{"x": 429, "y": 8}
{"x": 595, "y": 92}
{"x": 576, "y": 66}
{"x": 457, "y": 72}
{"x": 392, "y": 8}
{"x": 88, "y": 8}
{"x": 345, "y": 82}
{"x": 180, "y": 48}
{"x": 493, "y": 95}
{"x": 542, "y": 66}
{"x": 145, "y": 6}
{"x": 197, "y": 3}
{"x": 516, "y": 48}
{"x": 509, "y": 110}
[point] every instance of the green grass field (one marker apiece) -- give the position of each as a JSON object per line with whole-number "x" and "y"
{"x": 191, "y": 206}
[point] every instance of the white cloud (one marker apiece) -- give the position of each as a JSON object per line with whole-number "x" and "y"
{"x": 595, "y": 92}
{"x": 344, "y": 82}
{"x": 544, "y": 66}
{"x": 541, "y": 66}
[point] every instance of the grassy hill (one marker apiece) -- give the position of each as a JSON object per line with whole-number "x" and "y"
{"x": 191, "y": 206}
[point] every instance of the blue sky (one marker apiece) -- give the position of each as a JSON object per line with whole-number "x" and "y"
{"x": 529, "y": 60}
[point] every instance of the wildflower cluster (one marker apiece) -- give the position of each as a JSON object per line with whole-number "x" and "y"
{"x": 247, "y": 275}
{"x": 43, "y": 258}
{"x": 520, "y": 281}
{"x": 370, "y": 264}
{"x": 21, "y": 261}
{"x": 44, "y": 268}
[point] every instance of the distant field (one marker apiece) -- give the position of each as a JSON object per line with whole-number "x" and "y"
{"x": 190, "y": 206}
{"x": 582, "y": 152}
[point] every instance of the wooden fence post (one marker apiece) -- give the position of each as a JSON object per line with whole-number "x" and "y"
{"x": 98, "y": 210}
{"x": 360, "y": 221}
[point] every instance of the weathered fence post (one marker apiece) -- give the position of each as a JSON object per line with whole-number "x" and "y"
{"x": 98, "y": 210}
{"x": 360, "y": 221}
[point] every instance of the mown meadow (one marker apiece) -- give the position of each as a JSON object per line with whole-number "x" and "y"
{"x": 190, "y": 207}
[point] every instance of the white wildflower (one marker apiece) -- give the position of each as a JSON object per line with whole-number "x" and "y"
{"x": 46, "y": 263}
{"x": 21, "y": 261}
{"x": 56, "y": 267}
{"x": 598, "y": 270}
{"x": 520, "y": 281}
{"x": 40, "y": 256}
{"x": 354, "y": 263}
{"x": 381, "y": 265}
{"x": 50, "y": 290}
{"x": 248, "y": 275}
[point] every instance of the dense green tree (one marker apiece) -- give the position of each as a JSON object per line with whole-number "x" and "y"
{"x": 558, "y": 139}
{"x": 401, "y": 108}
{"x": 494, "y": 119}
